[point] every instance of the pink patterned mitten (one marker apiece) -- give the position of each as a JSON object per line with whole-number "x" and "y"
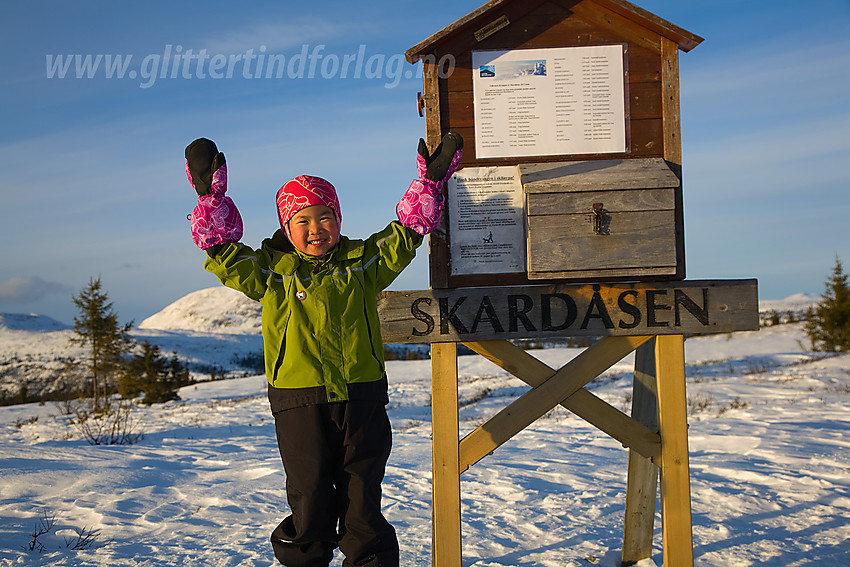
{"x": 215, "y": 220}
{"x": 421, "y": 206}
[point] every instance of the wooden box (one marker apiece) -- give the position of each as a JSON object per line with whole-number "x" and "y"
{"x": 603, "y": 220}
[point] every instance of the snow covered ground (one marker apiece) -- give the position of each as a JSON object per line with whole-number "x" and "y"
{"x": 769, "y": 453}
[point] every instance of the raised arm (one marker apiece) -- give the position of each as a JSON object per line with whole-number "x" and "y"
{"x": 216, "y": 224}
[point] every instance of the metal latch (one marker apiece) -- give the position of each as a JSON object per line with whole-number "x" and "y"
{"x": 600, "y": 220}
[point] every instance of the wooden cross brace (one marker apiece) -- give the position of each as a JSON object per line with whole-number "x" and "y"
{"x": 656, "y": 434}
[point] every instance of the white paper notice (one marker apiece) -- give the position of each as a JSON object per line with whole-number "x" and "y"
{"x": 553, "y": 101}
{"x": 486, "y": 221}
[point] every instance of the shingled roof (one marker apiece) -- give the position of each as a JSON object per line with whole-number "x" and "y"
{"x": 485, "y": 13}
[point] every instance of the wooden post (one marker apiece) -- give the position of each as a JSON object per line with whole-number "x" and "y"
{"x": 445, "y": 432}
{"x": 437, "y": 246}
{"x": 675, "y": 480}
{"x": 642, "y": 484}
{"x": 670, "y": 101}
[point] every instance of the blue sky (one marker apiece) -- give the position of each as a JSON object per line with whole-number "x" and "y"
{"x": 93, "y": 175}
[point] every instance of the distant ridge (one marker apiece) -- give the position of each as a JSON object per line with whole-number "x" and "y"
{"x": 798, "y": 302}
{"x": 211, "y": 310}
{"x": 30, "y": 322}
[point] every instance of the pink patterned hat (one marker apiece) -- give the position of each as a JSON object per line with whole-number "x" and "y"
{"x": 304, "y": 191}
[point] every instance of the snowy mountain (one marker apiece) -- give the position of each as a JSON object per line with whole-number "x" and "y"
{"x": 31, "y": 322}
{"x": 212, "y": 310}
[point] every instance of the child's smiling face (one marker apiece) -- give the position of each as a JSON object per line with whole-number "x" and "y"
{"x": 314, "y": 230}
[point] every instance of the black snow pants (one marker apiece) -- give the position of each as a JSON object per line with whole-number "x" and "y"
{"x": 334, "y": 456}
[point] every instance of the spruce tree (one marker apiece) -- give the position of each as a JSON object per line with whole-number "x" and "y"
{"x": 828, "y": 324}
{"x": 97, "y": 330}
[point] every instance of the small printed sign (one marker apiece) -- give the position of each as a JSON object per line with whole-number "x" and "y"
{"x": 486, "y": 218}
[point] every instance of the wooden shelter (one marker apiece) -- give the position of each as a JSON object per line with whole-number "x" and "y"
{"x": 570, "y": 114}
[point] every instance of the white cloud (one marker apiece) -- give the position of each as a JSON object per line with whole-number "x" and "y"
{"x": 274, "y": 36}
{"x": 27, "y": 290}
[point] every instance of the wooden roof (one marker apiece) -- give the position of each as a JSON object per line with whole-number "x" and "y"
{"x": 685, "y": 39}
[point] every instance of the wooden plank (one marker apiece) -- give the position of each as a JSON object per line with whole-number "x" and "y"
{"x": 670, "y": 102}
{"x": 438, "y": 250}
{"x": 446, "y": 545}
{"x": 596, "y": 175}
{"x": 581, "y": 202}
{"x": 625, "y": 27}
{"x": 533, "y": 404}
{"x": 672, "y": 134}
{"x": 644, "y": 66}
{"x": 684, "y": 39}
{"x": 644, "y": 98}
{"x": 584, "y": 404}
{"x": 459, "y": 36}
{"x": 629, "y": 308}
{"x": 614, "y": 423}
{"x": 669, "y": 272}
{"x": 646, "y": 137}
{"x": 636, "y": 239}
{"x": 675, "y": 471}
{"x": 642, "y": 480}
{"x": 431, "y": 111}
{"x": 531, "y": 31}
{"x": 552, "y": 9}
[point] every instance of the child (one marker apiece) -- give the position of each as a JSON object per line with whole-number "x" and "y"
{"x": 322, "y": 342}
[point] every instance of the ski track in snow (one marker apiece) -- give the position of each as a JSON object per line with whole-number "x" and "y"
{"x": 769, "y": 454}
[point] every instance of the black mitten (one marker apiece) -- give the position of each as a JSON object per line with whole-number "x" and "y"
{"x": 439, "y": 162}
{"x": 202, "y": 160}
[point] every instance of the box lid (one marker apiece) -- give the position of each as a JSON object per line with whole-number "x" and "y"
{"x": 597, "y": 175}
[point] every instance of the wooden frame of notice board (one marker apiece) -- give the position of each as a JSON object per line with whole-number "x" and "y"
{"x": 650, "y": 109}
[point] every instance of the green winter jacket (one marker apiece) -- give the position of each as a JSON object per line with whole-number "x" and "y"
{"x": 321, "y": 333}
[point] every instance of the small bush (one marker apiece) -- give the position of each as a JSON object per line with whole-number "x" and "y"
{"x": 86, "y": 537}
{"x": 112, "y": 423}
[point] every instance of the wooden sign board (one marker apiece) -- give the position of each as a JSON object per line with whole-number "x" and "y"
{"x": 660, "y": 308}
